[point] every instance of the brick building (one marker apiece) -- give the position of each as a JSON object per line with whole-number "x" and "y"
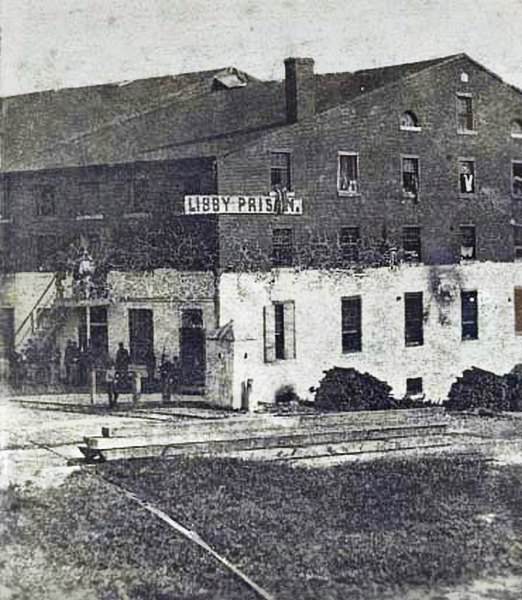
{"x": 394, "y": 248}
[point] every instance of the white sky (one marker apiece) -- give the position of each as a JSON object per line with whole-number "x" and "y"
{"x": 56, "y": 43}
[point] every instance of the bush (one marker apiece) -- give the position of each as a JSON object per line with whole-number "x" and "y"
{"x": 286, "y": 394}
{"x": 346, "y": 389}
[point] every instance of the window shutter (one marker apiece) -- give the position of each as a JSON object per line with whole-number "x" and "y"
{"x": 269, "y": 332}
{"x": 289, "y": 312}
{"x": 518, "y": 310}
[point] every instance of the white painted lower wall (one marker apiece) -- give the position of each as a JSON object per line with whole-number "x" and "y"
{"x": 317, "y": 296}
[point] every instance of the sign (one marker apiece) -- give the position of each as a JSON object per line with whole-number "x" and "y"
{"x": 266, "y": 204}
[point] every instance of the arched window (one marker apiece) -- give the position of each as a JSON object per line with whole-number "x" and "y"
{"x": 516, "y": 128}
{"x": 409, "y": 120}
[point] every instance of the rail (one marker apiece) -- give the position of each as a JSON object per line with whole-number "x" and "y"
{"x": 30, "y": 314}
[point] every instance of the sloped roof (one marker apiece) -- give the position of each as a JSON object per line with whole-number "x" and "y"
{"x": 192, "y": 114}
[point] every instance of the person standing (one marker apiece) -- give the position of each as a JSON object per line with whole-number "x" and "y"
{"x": 166, "y": 368}
{"x": 110, "y": 380}
{"x": 122, "y": 364}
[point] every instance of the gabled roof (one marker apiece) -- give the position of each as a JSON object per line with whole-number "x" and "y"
{"x": 193, "y": 114}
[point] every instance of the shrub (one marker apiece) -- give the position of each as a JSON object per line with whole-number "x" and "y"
{"x": 346, "y": 389}
{"x": 480, "y": 390}
{"x": 286, "y": 394}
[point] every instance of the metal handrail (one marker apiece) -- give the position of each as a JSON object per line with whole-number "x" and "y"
{"x": 30, "y": 315}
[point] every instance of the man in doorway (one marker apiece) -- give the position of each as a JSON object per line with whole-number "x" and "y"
{"x": 166, "y": 370}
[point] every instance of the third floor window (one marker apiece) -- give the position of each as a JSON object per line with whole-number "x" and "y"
{"x": 466, "y": 176}
{"x": 280, "y": 175}
{"x": 465, "y": 118}
{"x": 347, "y": 173}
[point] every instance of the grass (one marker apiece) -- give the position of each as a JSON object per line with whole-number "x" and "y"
{"x": 352, "y": 531}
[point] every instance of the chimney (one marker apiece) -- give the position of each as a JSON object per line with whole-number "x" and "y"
{"x": 299, "y": 88}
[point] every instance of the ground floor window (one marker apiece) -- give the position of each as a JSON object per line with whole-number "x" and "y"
{"x": 469, "y": 304}
{"x": 518, "y": 310}
{"x": 413, "y": 319}
{"x": 414, "y": 386}
{"x": 279, "y": 331}
{"x": 141, "y": 334}
{"x": 351, "y": 324}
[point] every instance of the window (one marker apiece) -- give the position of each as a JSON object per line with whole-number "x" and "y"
{"x": 5, "y": 200}
{"x": 347, "y": 173}
{"x": 89, "y": 199}
{"x": 413, "y": 319}
{"x": 45, "y": 202}
{"x": 139, "y": 201}
{"x": 410, "y": 176}
{"x": 46, "y": 248}
{"x": 351, "y": 324}
{"x": 280, "y": 171}
{"x": 141, "y": 334}
{"x": 518, "y": 311}
{"x": 414, "y": 386}
{"x": 98, "y": 331}
{"x": 469, "y": 315}
{"x": 279, "y": 331}
{"x": 282, "y": 248}
{"x": 516, "y": 177}
{"x": 411, "y": 244}
{"x": 409, "y": 120}
{"x": 465, "y": 121}
{"x": 516, "y": 128}
{"x": 349, "y": 241}
{"x": 468, "y": 246}
{"x": 467, "y": 176}
{"x": 517, "y": 242}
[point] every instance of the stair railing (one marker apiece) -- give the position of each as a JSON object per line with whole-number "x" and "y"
{"x": 32, "y": 313}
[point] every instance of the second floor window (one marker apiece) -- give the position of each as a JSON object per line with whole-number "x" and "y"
{"x": 349, "y": 241}
{"x": 89, "y": 199}
{"x": 282, "y": 248}
{"x": 45, "y": 202}
{"x": 347, "y": 173}
{"x": 516, "y": 178}
{"x": 465, "y": 120}
{"x": 46, "y": 248}
{"x": 410, "y": 176}
{"x": 411, "y": 244}
{"x": 280, "y": 176}
{"x": 468, "y": 249}
{"x": 467, "y": 176}
{"x": 139, "y": 196}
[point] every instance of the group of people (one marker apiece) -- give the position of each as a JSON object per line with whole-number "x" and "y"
{"x": 118, "y": 378}
{"x": 41, "y": 363}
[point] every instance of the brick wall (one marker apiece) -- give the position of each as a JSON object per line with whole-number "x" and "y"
{"x": 370, "y": 127}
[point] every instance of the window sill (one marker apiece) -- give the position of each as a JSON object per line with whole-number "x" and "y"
{"x": 516, "y": 136}
{"x": 349, "y": 352}
{"x": 467, "y": 195}
{"x": 410, "y": 128}
{"x": 474, "y": 339}
{"x": 516, "y": 196}
{"x": 414, "y": 344}
{"x": 467, "y": 132}
{"x": 5, "y": 221}
{"x": 345, "y": 194}
{"x": 137, "y": 215}
{"x": 97, "y": 217}
{"x": 410, "y": 196}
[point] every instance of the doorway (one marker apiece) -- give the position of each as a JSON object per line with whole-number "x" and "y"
{"x": 192, "y": 347}
{"x": 141, "y": 335}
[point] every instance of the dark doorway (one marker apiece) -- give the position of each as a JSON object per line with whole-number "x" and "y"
{"x": 6, "y": 332}
{"x": 192, "y": 347}
{"x": 141, "y": 334}
{"x": 98, "y": 333}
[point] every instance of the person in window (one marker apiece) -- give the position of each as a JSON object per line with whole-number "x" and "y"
{"x": 467, "y": 179}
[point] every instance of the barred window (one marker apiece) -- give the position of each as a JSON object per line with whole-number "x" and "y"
{"x": 467, "y": 176}
{"x": 413, "y": 319}
{"x": 465, "y": 120}
{"x": 280, "y": 176}
{"x": 411, "y": 244}
{"x": 351, "y": 324}
{"x": 282, "y": 247}
{"x": 468, "y": 250}
{"x": 349, "y": 241}
{"x": 410, "y": 176}
{"x": 469, "y": 307}
{"x": 348, "y": 173}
